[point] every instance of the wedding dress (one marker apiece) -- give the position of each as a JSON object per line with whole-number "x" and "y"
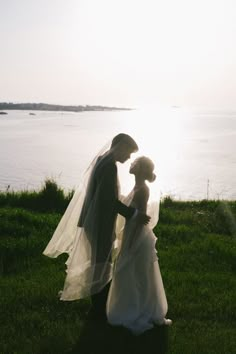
{"x": 137, "y": 299}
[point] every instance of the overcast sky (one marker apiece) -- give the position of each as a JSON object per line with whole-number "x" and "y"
{"x": 118, "y": 52}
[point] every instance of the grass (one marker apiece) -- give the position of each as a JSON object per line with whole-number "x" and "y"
{"x": 197, "y": 256}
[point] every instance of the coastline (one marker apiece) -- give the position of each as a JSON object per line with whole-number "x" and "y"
{"x": 58, "y": 108}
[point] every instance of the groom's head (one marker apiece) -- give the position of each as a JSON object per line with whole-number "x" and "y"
{"x": 123, "y": 146}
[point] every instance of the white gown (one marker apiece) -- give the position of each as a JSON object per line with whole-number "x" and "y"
{"x": 137, "y": 299}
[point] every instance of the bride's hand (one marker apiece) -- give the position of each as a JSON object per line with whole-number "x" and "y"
{"x": 143, "y": 218}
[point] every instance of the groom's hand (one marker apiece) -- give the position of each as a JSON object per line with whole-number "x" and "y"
{"x": 143, "y": 218}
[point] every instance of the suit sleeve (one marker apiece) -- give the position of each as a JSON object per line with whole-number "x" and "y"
{"x": 124, "y": 210}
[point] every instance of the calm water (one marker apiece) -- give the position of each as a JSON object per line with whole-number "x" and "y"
{"x": 194, "y": 151}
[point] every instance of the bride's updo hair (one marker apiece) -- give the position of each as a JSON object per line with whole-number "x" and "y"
{"x": 147, "y": 167}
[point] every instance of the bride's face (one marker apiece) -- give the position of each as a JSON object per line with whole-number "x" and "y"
{"x": 135, "y": 168}
{"x": 140, "y": 169}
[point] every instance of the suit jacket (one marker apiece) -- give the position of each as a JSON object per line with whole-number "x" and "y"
{"x": 101, "y": 206}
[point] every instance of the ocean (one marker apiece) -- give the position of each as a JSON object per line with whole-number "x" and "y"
{"x": 193, "y": 149}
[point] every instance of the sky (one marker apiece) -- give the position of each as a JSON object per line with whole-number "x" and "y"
{"x": 119, "y": 52}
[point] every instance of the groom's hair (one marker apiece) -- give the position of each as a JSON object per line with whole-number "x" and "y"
{"x": 124, "y": 138}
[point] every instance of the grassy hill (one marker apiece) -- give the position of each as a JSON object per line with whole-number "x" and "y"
{"x": 197, "y": 256}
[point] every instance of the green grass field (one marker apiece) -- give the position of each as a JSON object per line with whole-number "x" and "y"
{"x": 197, "y": 256}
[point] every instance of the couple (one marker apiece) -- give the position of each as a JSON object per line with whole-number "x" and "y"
{"x": 110, "y": 243}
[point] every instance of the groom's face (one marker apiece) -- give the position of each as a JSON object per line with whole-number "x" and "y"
{"x": 124, "y": 153}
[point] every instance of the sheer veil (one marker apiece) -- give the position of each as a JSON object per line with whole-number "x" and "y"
{"x": 63, "y": 238}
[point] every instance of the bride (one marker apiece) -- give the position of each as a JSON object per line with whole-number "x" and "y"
{"x": 136, "y": 298}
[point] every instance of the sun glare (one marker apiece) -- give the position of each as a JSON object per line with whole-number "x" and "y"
{"x": 159, "y": 133}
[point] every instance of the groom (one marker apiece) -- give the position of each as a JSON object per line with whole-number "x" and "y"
{"x": 103, "y": 188}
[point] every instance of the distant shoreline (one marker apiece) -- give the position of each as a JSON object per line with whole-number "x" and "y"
{"x": 55, "y": 107}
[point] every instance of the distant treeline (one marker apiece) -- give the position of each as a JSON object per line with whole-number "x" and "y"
{"x": 55, "y": 107}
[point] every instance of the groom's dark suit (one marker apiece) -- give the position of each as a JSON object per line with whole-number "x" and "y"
{"x": 103, "y": 186}
{"x": 102, "y": 192}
